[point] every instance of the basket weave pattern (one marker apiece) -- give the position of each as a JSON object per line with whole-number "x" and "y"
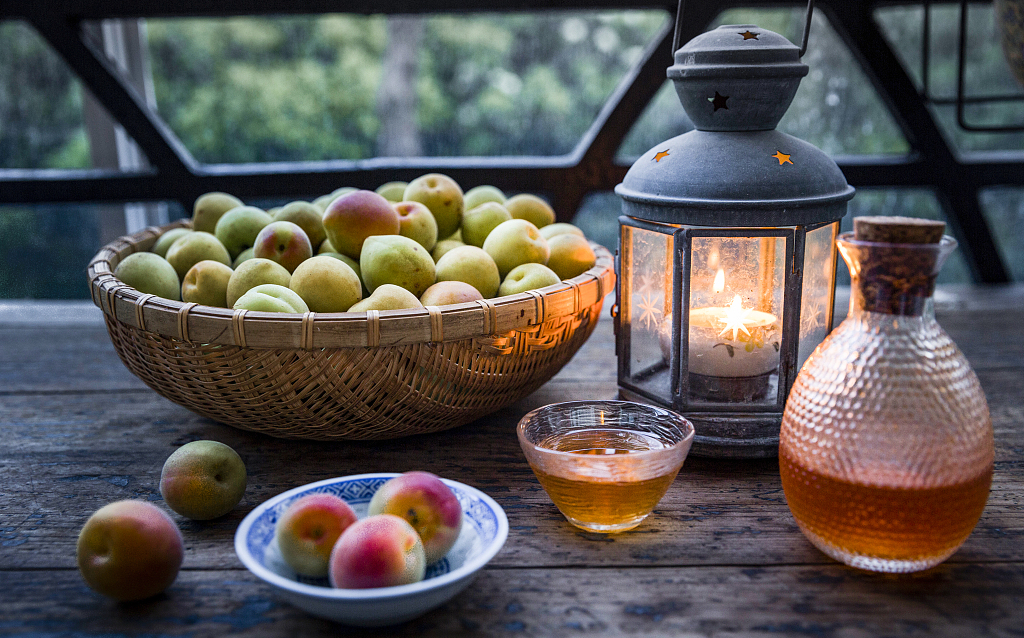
{"x": 333, "y": 376}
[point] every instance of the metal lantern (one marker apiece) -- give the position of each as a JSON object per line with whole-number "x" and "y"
{"x": 727, "y": 253}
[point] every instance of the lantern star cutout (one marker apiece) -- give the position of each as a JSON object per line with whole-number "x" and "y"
{"x": 782, "y": 157}
{"x": 747, "y": 35}
{"x": 660, "y": 155}
{"x": 719, "y": 101}
{"x": 734, "y": 317}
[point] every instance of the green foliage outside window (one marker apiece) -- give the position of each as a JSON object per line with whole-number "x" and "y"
{"x": 40, "y": 105}
{"x": 309, "y": 88}
{"x": 272, "y": 89}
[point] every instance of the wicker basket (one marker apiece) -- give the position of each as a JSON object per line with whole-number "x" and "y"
{"x": 328, "y": 376}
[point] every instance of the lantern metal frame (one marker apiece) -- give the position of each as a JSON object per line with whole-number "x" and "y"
{"x": 682, "y": 247}
{"x": 693, "y": 204}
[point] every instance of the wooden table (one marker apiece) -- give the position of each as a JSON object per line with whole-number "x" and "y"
{"x": 721, "y": 555}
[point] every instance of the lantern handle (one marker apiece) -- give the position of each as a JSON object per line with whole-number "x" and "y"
{"x": 807, "y": 27}
{"x": 803, "y": 41}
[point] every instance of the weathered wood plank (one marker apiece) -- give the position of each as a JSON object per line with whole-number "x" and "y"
{"x": 827, "y": 601}
{"x": 63, "y": 460}
{"x": 993, "y": 298}
{"x": 721, "y": 555}
{"x": 61, "y": 359}
{"x": 984, "y": 336}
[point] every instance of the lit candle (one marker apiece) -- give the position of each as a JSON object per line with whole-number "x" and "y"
{"x": 732, "y": 341}
{"x": 733, "y": 350}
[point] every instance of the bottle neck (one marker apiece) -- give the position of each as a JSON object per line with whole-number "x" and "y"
{"x": 893, "y": 279}
{"x": 880, "y": 292}
{"x": 916, "y": 308}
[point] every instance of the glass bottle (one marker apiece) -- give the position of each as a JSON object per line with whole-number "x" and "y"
{"x": 886, "y": 448}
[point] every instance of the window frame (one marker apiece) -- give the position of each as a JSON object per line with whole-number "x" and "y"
{"x": 173, "y": 174}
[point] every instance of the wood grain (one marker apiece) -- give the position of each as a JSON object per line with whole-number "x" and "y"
{"x": 63, "y": 462}
{"x": 823, "y": 600}
{"x": 61, "y": 359}
{"x": 721, "y": 555}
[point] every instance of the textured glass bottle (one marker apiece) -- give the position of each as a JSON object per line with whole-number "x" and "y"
{"x": 886, "y": 447}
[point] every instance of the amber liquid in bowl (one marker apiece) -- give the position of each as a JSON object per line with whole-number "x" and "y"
{"x": 603, "y": 503}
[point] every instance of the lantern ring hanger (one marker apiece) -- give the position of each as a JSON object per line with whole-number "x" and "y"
{"x": 803, "y": 40}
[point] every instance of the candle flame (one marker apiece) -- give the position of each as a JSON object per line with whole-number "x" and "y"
{"x": 719, "y": 285}
{"x": 734, "y": 317}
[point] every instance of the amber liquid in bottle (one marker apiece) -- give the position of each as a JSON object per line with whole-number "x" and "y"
{"x": 883, "y": 521}
{"x": 601, "y": 504}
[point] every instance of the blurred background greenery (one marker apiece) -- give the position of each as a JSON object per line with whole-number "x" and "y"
{"x": 316, "y": 88}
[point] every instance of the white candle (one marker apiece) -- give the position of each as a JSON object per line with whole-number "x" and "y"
{"x": 733, "y": 341}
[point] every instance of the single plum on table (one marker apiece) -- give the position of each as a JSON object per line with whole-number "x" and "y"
{"x": 129, "y": 550}
{"x": 202, "y": 480}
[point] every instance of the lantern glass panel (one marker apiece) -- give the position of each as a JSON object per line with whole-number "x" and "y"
{"x": 646, "y": 264}
{"x": 818, "y": 286}
{"x": 737, "y": 286}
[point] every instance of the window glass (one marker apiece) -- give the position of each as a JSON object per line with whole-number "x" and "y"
{"x": 836, "y": 108}
{"x": 819, "y": 278}
{"x": 598, "y": 217}
{"x": 647, "y": 267}
{"x": 986, "y": 73}
{"x": 1004, "y": 212}
{"x": 41, "y": 122}
{"x": 736, "y": 311}
{"x": 44, "y": 249}
{"x": 663, "y": 119}
{"x": 353, "y": 87}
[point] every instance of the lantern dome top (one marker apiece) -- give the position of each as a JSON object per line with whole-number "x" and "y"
{"x": 736, "y": 83}
{"x": 736, "y": 44}
{"x": 737, "y": 77}
{"x": 752, "y": 179}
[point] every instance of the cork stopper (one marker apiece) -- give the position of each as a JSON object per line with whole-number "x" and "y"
{"x": 893, "y": 270}
{"x": 898, "y": 230}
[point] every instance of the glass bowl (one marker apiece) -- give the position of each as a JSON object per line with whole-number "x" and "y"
{"x": 605, "y": 464}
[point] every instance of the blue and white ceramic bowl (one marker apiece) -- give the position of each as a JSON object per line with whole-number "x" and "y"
{"x": 484, "y": 530}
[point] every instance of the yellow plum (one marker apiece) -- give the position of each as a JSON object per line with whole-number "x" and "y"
{"x": 203, "y": 480}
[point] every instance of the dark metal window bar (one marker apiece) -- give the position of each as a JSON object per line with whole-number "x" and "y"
{"x": 590, "y": 167}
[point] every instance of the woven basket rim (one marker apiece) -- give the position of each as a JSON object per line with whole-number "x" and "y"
{"x": 486, "y": 319}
